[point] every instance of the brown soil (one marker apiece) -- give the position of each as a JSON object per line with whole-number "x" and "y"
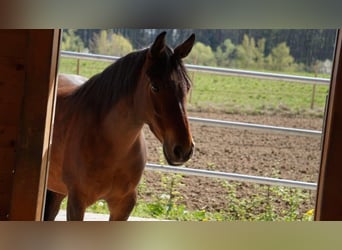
{"x": 240, "y": 151}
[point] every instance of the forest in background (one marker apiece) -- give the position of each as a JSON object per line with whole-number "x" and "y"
{"x": 309, "y": 50}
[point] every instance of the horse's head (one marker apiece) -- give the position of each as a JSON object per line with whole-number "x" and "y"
{"x": 166, "y": 85}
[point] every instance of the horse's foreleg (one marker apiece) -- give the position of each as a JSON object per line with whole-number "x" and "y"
{"x": 52, "y": 203}
{"x": 75, "y": 207}
{"x": 120, "y": 209}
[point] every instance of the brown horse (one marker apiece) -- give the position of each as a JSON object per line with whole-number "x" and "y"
{"x": 98, "y": 149}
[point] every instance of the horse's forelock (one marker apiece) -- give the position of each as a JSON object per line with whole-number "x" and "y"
{"x": 166, "y": 65}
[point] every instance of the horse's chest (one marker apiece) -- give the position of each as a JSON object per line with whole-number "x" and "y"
{"x": 114, "y": 183}
{"x": 102, "y": 169}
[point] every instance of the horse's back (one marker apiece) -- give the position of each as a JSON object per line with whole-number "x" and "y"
{"x": 69, "y": 82}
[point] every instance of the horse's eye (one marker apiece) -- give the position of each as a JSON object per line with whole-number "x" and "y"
{"x": 154, "y": 88}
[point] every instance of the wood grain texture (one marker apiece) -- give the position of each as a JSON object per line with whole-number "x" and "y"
{"x": 28, "y": 64}
{"x": 36, "y": 115}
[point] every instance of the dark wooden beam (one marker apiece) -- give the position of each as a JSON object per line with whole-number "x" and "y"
{"x": 12, "y": 75}
{"x": 31, "y": 129}
{"x": 329, "y": 195}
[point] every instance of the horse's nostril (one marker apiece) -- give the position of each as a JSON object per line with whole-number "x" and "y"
{"x": 178, "y": 151}
{"x": 182, "y": 154}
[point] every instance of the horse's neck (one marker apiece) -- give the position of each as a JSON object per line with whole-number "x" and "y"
{"x": 122, "y": 122}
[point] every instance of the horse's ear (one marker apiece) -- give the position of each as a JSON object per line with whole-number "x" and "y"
{"x": 159, "y": 45}
{"x": 184, "y": 49}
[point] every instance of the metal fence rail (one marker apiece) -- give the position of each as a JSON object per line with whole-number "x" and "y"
{"x": 258, "y": 74}
{"x": 214, "y": 70}
{"x": 233, "y": 176}
{"x": 268, "y": 128}
{"x": 88, "y": 56}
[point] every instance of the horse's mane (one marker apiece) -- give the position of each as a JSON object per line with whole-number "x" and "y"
{"x": 103, "y": 90}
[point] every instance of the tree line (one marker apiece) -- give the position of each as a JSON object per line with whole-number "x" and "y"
{"x": 250, "y": 48}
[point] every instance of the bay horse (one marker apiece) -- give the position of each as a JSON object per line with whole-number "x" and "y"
{"x": 98, "y": 149}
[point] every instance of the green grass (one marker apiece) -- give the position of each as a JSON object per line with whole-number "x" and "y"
{"x": 267, "y": 203}
{"x": 86, "y": 68}
{"x": 255, "y": 96}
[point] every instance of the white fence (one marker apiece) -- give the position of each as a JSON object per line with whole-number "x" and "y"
{"x": 245, "y": 73}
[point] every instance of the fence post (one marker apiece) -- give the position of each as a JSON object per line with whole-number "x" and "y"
{"x": 314, "y": 86}
{"x": 313, "y": 96}
{"x": 78, "y": 67}
{"x": 78, "y": 64}
{"x": 192, "y": 81}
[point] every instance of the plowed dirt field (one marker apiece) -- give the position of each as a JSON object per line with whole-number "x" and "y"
{"x": 240, "y": 151}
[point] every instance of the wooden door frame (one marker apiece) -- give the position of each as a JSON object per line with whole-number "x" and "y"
{"x": 37, "y": 112}
{"x": 329, "y": 195}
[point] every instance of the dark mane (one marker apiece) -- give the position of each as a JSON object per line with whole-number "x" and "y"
{"x": 104, "y": 90}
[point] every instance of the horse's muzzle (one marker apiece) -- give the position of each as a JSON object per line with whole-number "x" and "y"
{"x": 178, "y": 154}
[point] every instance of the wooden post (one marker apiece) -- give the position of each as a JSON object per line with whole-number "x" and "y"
{"x": 30, "y": 56}
{"x": 12, "y": 75}
{"x": 78, "y": 64}
{"x": 313, "y": 96}
{"x": 329, "y": 198}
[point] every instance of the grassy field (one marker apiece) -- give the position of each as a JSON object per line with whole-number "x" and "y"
{"x": 232, "y": 94}
{"x": 228, "y": 94}
{"x": 256, "y": 96}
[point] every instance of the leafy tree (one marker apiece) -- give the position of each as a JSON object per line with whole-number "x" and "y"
{"x": 224, "y": 53}
{"x": 201, "y": 54}
{"x": 306, "y": 45}
{"x": 249, "y": 54}
{"x": 71, "y": 42}
{"x": 99, "y": 43}
{"x": 280, "y": 58}
{"x": 108, "y": 43}
{"x": 121, "y": 46}
{"x": 260, "y": 53}
{"x": 245, "y": 56}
